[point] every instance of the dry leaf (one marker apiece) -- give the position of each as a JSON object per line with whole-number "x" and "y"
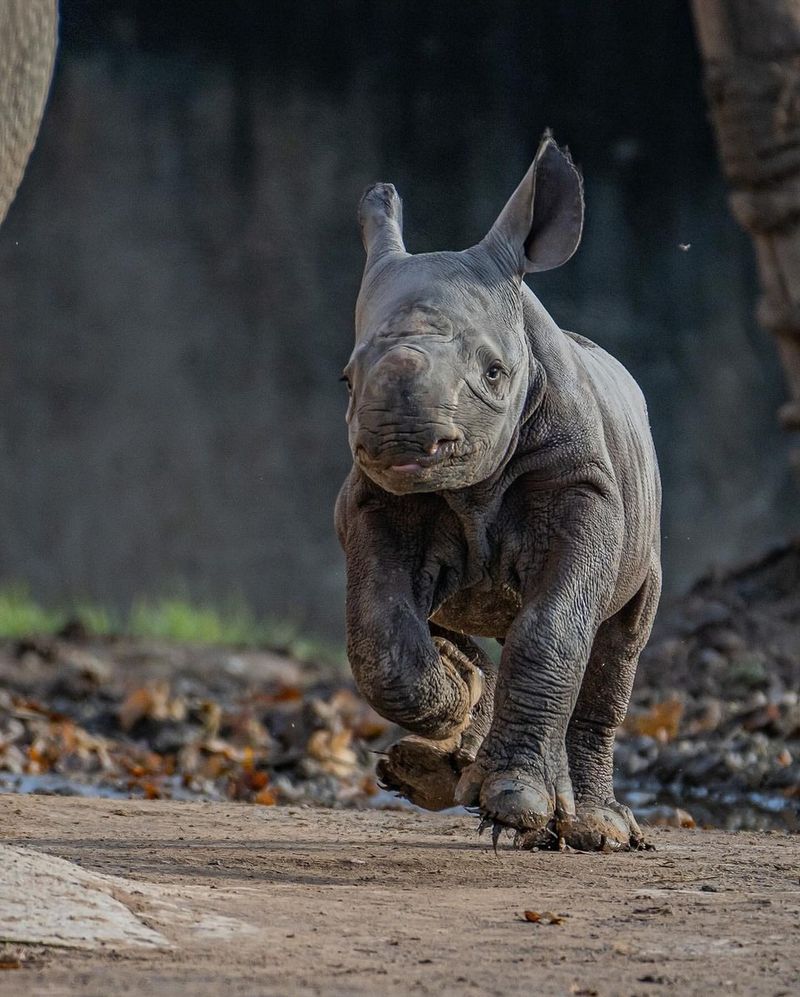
{"x": 258, "y": 780}
{"x": 333, "y": 752}
{"x": 370, "y": 726}
{"x": 287, "y": 694}
{"x": 546, "y": 917}
{"x": 266, "y": 798}
{"x": 152, "y": 702}
{"x": 661, "y": 721}
{"x": 671, "y": 817}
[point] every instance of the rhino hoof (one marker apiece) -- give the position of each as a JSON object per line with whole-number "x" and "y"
{"x": 607, "y": 827}
{"x": 422, "y": 771}
{"x": 512, "y": 799}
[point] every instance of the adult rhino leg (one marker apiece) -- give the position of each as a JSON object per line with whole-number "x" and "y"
{"x": 600, "y": 822}
{"x": 426, "y": 772}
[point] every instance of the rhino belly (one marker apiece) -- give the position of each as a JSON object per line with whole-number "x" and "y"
{"x": 480, "y": 612}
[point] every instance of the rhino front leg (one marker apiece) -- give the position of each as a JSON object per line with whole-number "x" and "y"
{"x": 419, "y": 680}
{"x": 426, "y": 772}
{"x": 520, "y": 778}
{"x": 423, "y": 683}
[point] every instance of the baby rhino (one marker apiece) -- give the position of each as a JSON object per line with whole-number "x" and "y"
{"x": 504, "y": 485}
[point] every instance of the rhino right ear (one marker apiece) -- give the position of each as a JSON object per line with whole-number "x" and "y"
{"x": 540, "y": 226}
{"x": 380, "y": 215}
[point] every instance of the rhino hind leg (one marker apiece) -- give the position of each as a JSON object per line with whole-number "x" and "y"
{"x": 600, "y": 822}
{"x": 518, "y": 801}
{"x": 574, "y": 804}
{"x": 426, "y": 772}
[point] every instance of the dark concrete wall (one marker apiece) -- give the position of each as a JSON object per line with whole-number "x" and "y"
{"x": 178, "y": 274}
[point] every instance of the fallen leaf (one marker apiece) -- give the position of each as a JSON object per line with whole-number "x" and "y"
{"x": 151, "y": 701}
{"x": 288, "y": 694}
{"x": 266, "y": 798}
{"x": 546, "y": 917}
{"x": 368, "y": 786}
{"x": 370, "y": 726}
{"x": 670, "y": 817}
{"x": 333, "y": 752}
{"x": 661, "y": 721}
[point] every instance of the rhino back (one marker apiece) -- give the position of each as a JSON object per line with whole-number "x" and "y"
{"x": 628, "y": 441}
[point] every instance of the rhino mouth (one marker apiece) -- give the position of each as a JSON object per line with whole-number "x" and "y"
{"x": 407, "y": 469}
{"x": 409, "y": 462}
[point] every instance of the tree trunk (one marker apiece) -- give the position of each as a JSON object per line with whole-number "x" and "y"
{"x": 751, "y": 50}
{"x": 27, "y": 48}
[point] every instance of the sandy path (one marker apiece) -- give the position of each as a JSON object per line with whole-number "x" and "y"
{"x": 254, "y": 900}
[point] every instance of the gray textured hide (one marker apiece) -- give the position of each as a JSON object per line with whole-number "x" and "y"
{"x": 504, "y": 485}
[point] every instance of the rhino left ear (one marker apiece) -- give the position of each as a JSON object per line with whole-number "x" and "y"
{"x": 540, "y": 226}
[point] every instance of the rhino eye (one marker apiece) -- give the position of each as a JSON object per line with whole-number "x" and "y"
{"x": 494, "y": 372}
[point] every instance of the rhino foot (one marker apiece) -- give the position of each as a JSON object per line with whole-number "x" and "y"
{"x": 600, "y": 827}
{"x": 603, "y": 827}
{"x": 546, "y": 818}
{"x": 424, "y": 772}
{"x": 515, "y": 800}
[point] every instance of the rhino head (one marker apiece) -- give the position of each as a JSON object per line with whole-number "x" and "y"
{"x": 441, "y": 369}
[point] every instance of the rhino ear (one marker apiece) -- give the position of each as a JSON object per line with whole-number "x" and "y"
{"x": 380, "y": 215}
{"x": 540, "y": 226}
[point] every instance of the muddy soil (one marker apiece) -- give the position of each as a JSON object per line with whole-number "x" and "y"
{"x": 235, "y": 899}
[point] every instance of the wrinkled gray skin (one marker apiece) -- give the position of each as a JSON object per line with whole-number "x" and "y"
{"x": 504, "y": 485}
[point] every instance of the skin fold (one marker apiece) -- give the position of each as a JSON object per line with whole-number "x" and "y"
{"x": 504, "y": 485}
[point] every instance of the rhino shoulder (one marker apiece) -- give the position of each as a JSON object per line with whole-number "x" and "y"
{"x": 580, "y": 340}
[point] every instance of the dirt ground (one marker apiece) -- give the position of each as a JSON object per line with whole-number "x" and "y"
{"x": 234, "y": 899}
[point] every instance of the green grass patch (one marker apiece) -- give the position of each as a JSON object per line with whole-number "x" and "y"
{"x": 20, "y": 616}
{"x": 177, "y": 619}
